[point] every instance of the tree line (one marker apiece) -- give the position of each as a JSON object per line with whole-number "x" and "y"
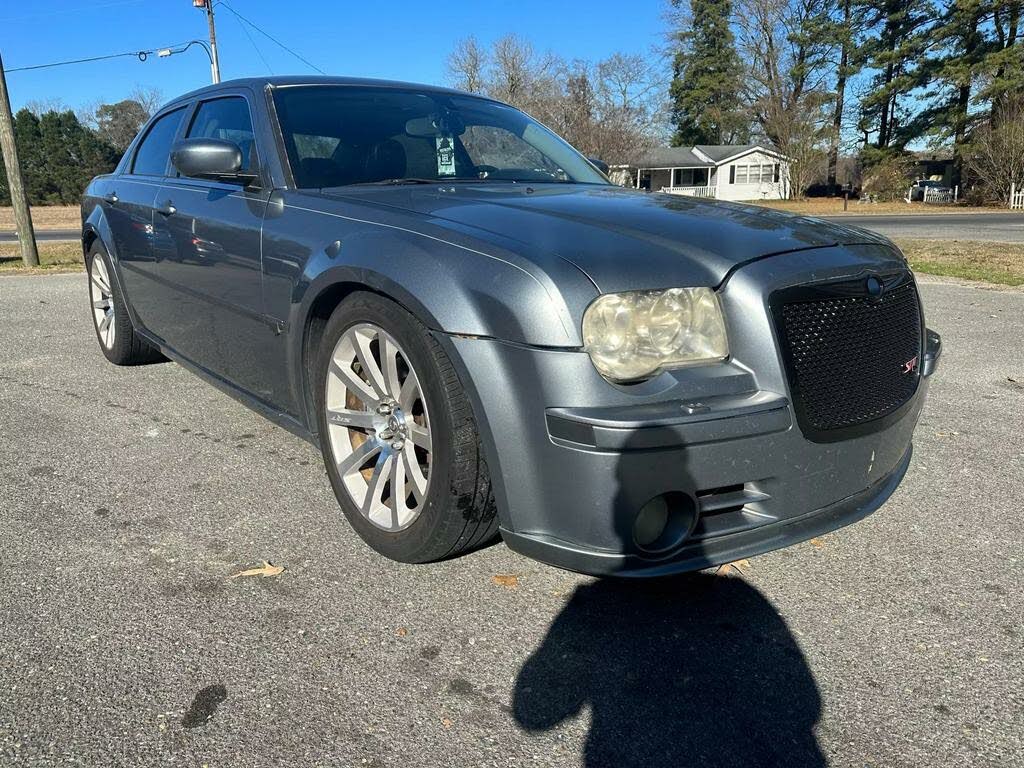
{"x": 61, "y": 150}
{"x": 817, "y": 76}
{"x": 830, "y": 83}
{"x": 847, "y": 89}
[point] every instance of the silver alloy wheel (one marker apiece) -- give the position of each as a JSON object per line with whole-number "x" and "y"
{"x": 102, "y": 301}
{"x": 378, "y": 425}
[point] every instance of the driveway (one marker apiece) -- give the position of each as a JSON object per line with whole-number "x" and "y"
{"x": 995, "y": 227}
{"x": 130, "y": 497}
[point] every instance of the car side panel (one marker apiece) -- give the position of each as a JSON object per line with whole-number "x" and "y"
{"x": 210, "y": 272}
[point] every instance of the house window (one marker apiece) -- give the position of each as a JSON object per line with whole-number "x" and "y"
{"x": 754, "y": 173}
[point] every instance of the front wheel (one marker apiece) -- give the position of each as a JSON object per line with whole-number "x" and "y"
{"x": 398, "y": 435}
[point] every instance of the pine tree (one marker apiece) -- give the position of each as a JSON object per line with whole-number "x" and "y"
{"x": 58, "y": 157}
{"x": 707, "y": 78}
{"x": 897, "y": 35}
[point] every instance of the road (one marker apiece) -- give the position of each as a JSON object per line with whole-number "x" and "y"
{"x": 131, "y": 495}
{"x": 995, "y": 227}
{"x": 44, "y": 235}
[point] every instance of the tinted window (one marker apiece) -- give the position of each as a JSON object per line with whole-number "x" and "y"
{"x": 155, "y": 150}
{"x": 227, "y": 119}
{"x": 342, "y": 135}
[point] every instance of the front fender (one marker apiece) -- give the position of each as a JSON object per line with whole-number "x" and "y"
{"x": 452, "y": 288}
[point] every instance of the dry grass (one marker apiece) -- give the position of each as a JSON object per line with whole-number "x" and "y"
{"x": 53, "y": 257}
{"x": 830, "y": 206}
{"x": 1001, "y": 263}
{"x": 45, "y": 217}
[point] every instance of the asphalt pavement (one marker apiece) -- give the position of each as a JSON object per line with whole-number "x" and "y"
{"x": 44, "y": 235}
{"x": 1005, "y": 227}
{"x": 130, "y": 496}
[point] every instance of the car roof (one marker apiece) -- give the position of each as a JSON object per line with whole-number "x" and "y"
{"x": 259, "y": 83}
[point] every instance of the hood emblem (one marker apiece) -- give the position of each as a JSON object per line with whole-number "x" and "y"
{"x": 910, "y": 365}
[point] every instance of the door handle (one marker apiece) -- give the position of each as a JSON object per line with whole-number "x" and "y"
{"x": 111, "y": 197}
{"x": 166, "y": 208}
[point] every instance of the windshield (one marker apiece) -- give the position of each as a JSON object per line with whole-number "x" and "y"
{"x": 344, "y": 135}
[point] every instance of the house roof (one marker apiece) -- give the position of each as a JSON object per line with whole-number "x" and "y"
{"x": 700, "y": 156}
{"x": 721, "y": 152}
{"x": 672, "y": 157}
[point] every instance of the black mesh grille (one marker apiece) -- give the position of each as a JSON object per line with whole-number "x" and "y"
{"x": 851, "y": 358}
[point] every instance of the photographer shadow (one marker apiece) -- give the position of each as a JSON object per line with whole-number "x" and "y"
{"x": 695, "y": 670}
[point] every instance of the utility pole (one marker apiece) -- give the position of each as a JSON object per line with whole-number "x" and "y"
{"x": 207, "y": 5}
{"x": 22, "y": 216}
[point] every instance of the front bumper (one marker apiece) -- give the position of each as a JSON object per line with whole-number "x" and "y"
{"x": 570, "y": 480}
{"x": 718, "y": 550}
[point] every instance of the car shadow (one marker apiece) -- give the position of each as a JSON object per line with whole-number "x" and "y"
{"x": 690, "y": 670}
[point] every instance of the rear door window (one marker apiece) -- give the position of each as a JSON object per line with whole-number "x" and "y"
{"x": 154, "y": 152}
{"x": 227, "y": 119}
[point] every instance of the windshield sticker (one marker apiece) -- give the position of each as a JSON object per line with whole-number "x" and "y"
{"x": 445, "y": 156}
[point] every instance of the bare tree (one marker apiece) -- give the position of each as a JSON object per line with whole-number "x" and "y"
{"x": 149, "y": 98}
{"x": 608, "y": 109}
{"x": 40, "y": 107}
{"x": 787, "y": 79}
{"x": 996, "y": 155}
{"x": 467, "y": 66}
{"x": 524, "y": 78}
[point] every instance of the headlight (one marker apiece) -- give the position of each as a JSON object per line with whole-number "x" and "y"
{"x": 631, "y": 336}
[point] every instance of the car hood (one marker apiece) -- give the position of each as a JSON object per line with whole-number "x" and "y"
{"x": 622, "y": 239}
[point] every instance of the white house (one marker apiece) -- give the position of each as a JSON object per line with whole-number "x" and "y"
{"x": 726, "y": 172}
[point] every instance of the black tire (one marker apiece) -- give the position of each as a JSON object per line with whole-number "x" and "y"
{"x": 458, "y": 511}
{"x": 127, "y": 347}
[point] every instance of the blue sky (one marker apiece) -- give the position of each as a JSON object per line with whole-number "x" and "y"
{"x": 397, "y": 39}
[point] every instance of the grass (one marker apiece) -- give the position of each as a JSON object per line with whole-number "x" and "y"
{"x": 44, "y": 217}
{"x": 830, "y": 206}
{"x": 53, "y": 257}
{"x": 1001, "y": 263}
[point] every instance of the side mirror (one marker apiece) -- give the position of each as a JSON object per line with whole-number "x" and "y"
{"x": 210, "y": 159}
{"x": 601, "y": 165}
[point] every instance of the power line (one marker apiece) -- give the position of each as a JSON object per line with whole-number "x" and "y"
{"x": 273, "y": 39}
{"x": 140, "y": 54}
{"x": 254, "y": 46}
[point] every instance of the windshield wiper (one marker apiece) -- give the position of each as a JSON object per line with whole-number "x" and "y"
{"x": 409, "y": 180}
{"x": 417, "y": 180}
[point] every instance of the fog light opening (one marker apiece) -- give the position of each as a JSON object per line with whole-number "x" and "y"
{"x": 664, "y": 522}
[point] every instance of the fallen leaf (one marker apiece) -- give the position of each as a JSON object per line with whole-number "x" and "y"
{"x": 401, "y": 631}
{"x": 739, "y": 566}
{"x": 818, "y": 543}
{"x": 446, "y": 722}
{"x": 265, "y": 570}
{"x": 506, "y": 580}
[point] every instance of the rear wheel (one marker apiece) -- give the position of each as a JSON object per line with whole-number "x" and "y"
{"x": 398, "y": 436}
{"x": 118, "y": 340}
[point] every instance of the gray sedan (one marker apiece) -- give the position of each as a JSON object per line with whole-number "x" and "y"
{"x": 485, "y": 337}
